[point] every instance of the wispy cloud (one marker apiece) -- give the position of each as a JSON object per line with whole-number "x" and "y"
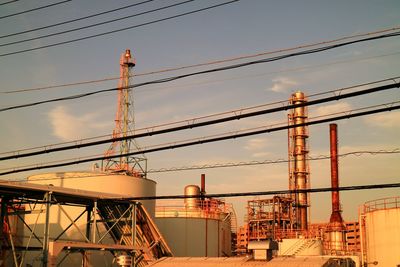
{"x": 282, "y": 84}
{"x": 329, "y": 109}
{"x": 67, "y": 126}
{"x": 385, "y": 120}
{"x": 256, "y": 144}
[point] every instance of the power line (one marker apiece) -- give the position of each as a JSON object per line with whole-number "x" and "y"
{"x": 9, "y": 2}
{"x": 267, "y": 161}
{"x": 168, "y": 69}
{"x": 234, "y": 135}
{"x": 34, "y": 9}
{"x": 94, "y": 25}
{"x": 169, "y": 79}
{"x": 118, "y": 30}
{"x": 268, "y": 193}
{"x": 74, "y": 20}
{"x": 226, "y": 164}
{"x": 190, "y": 124}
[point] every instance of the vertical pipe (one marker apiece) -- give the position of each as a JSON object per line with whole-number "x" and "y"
{"x": 206, "y": 243}
{"x": 46, "y": 235}
{"x": 134, "y": 208}
{"x": 203, "y": 184}
{"x": 334, "y": 170}
{"x": 94, "y": 224}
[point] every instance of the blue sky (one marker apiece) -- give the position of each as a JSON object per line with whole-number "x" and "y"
{"x": 245, "y": 27}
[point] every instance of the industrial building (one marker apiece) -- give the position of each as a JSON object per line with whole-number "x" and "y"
{"x": 54, "y": 220}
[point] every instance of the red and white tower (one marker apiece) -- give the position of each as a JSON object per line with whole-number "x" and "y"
{"x": 125, "y": 126}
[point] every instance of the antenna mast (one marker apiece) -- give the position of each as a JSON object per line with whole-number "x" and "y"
{"x": 124, "y": 126}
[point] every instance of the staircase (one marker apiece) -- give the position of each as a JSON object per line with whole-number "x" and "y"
{"x": 118, "y": 219}
{"x": 298, "y": 247}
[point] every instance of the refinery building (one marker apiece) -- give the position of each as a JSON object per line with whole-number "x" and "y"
{"x": 108, "y": 216}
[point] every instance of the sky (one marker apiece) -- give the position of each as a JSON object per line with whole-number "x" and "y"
{"x": 240, "y": 28}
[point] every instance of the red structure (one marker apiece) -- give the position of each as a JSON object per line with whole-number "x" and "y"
{"x": 124, "y": 126}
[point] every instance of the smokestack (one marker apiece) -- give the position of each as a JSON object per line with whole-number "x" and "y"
{"x": 335, "y": 238}
{"x": 203, "y": 184}
{"x": 336, "y": 216}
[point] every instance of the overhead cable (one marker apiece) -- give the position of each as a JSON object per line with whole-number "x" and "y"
{"x": 216, "y": 138}
{"x": 168, "y": 69}
{"x": 220, "y": 164}
{"x": 190, "y": 124}
{"x": 267, "y": 161}
{"x": 75, "y": 20}
{"x": 269, "y": 193}
{"x": 9, "y": 2}
{"x": 118, "y": 30}
{"x": 169, "y": 79}
{"x": 34, "y": 9}
{"x": 94, "y": 25}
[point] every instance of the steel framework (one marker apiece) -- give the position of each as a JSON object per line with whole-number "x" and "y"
{"x": 129, "y": 232}
{"x": 125, "y": 125}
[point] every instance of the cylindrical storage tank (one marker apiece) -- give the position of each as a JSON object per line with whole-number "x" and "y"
{"x": 196, "y": 237}
{"x": 382, "y": 228}
{"x": 89, "y": 181}
{"x": 103, "y": 183}
{"x": 192, "y": 190}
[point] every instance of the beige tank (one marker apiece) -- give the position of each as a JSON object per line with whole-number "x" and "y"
{"x": 101, "y": 182}
{"x": 91, "y": 181}
{"x": 192, "y": 190}
{"x": 382, "y": 228}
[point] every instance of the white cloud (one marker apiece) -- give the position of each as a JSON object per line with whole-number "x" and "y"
{"x": 329, "y": 109}
{"x": 256, "y": 144}
{"x": 282, "y": 84}
{"x": 384, "y": 120}
{"x": 68, "y": 127}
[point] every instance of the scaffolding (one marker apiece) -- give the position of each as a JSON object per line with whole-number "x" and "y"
{"x": 129, "y": 231}
{"x": 270, "y": 218}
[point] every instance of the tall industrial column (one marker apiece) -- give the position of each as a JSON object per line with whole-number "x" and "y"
{"x": 124, "y": 126}
{"x": 298, "y": 159}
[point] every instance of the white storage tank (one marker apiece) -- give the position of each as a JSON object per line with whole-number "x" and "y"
{"x": 198, "y": 227}
{"x": 90, "y": 181}
{"x": 103, "y": 183}
{"x": 382, "y": 231}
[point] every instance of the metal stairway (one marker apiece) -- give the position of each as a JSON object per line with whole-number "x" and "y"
{"x": 131, "y": 225}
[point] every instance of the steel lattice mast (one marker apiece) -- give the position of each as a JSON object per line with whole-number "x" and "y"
{"x": 125, "y": 125}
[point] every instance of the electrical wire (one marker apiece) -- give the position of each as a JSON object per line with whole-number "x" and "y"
{"x": 34, "y": 9}
{"x": 75, "y": 20}
{"x": 94, "y": 25}
{"x": 9, "y": 2}
{"x": 267, "y": 161}
{"x": 268, "y": 193}
{"x": 224, "y": 164}
{"x": 230, "y": 67}
{"x": 168, "y": 69}
{"x": 194, "y": 123}
{"x": 215, "y": 138}
{"x": 118, "y": 30}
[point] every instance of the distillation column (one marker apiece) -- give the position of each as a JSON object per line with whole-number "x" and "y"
{"x": 298, "y": 159}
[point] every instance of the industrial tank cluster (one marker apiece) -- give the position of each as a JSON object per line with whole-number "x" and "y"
{"x": 202, "y": 227}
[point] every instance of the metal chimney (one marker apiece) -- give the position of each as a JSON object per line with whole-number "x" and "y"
{"x": 335, "y": 234}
